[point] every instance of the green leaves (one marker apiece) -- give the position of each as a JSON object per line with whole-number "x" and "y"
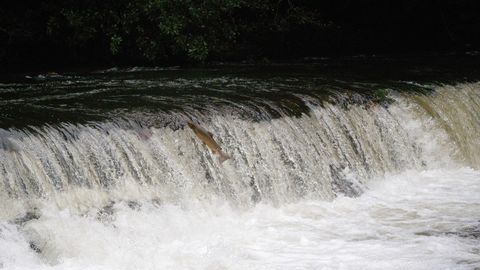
{"x": 115, "y": 42}
{"x": 155, "y": 31}
{"x": 197, "y": 49}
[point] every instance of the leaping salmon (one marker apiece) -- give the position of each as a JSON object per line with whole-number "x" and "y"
{"x": 207, "y": 138}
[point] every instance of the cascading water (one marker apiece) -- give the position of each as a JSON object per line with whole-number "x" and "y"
{"x": 342, "y": 182}
{"x": 332, "y": 150}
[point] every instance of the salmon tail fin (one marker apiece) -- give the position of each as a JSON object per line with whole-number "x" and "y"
{"x": 223, "y": 156}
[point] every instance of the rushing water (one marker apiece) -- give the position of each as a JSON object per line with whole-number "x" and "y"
{"x": 328, "y": 171}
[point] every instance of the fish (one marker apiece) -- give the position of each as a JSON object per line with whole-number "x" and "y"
{"x": 207, "y": 138}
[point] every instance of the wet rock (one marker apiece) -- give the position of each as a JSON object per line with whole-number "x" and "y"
{"x": 134, "y": 205}
{"x": 34, "y": 247}
{"x": 106, "y": 214}
{"x": 26, "y": 218}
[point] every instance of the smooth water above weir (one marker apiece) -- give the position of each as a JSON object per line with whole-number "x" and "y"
{"x": 100, "y": 171}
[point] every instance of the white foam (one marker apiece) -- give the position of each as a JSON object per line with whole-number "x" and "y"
{"x": 407, "y": 221}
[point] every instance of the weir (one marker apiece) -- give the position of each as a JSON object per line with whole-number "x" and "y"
{"x": 333, "y": 149}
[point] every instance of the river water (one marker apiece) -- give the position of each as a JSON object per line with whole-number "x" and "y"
{"x": 363, "y": 163}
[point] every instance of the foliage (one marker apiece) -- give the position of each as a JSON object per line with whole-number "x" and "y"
{"x": 154, "y": 30}
{"x": 73, "y": 32}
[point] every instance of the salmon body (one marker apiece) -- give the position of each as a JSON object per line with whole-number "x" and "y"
{"x": 207, "y": 138}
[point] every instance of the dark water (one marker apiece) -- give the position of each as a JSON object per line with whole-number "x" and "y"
{"x": 255, "y": 92}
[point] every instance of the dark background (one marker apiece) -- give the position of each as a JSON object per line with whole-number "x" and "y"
{"x": 58, "y": 34}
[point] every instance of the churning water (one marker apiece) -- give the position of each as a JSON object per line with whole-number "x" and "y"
{"x": 101, "y": 172}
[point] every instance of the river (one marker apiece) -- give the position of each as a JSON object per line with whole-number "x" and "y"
{"x": 357, "y": 163}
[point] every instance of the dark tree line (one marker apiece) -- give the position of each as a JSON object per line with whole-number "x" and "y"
{"x": 66, "y": 33}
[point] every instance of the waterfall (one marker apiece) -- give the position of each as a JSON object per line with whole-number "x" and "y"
{"x": 330, "y": 149}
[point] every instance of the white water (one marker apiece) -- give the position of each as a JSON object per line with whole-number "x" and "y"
{"x": 405, "y": 221}
{"x": 279, "y": 204}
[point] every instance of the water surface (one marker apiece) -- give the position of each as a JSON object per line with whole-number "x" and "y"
{"x": 357, "y": 163}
